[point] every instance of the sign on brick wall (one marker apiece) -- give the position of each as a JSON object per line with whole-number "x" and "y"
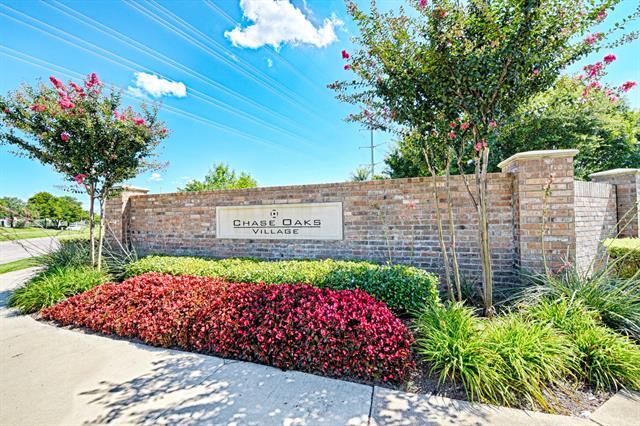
{"x": 310, "y": 221}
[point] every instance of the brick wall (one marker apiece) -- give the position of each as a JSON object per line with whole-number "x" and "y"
{"x": 596, "y": 219}
{"x": 382, "y": 219}
{"x": 627, "y": 186}
{"x": 395, "y": 219}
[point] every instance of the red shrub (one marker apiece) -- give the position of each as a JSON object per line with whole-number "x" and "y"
{"x": 340, "y": 333}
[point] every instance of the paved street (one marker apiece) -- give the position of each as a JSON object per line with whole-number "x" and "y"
{"x": 21, "y": 249}
{"x": 50, "y": 375}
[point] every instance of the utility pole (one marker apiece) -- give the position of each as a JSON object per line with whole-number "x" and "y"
{"x": 373, "y": 165}
{"x": 372, "y": 147}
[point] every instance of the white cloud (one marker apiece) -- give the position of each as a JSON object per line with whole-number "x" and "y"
{"x": 269, "y": 62}
{"x": 156, "y": 177}
{"x": 277, "y": 22}
{"x": 156, "y": 86}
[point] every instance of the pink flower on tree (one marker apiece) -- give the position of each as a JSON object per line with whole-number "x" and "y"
{"x": 613, "y": 99}
{"x": 628, "y": 85}
{"x": 595, "y": 85}
{"x": 609, "y": 58}
{"x": 38, "y": 107}
{"x": 536, "y": 71}
{"x": 347, "y": 67}
{"x": 593, "y": 70}
{"x": 478, "y": 146}
{"x": 79, "y": 178}
{"x": 92, "y": 81}
{"x": 65, "y": 103}
{"x": 592, "y": 38}
{"x": 493, "y": 124}
{"x": 464, "y": 126}
{"x": 79, "y": 90}
{"x": 139, "y": 121}
{"x": 422, "y": 3}
{"x": 453, "y": 124}
{"x": 345, "y": 55}
{"x": 601, "y": 15}
{"x": 451, "y": 135}
{"x": 64, "y": 136}
{"x": 57, "y": 83}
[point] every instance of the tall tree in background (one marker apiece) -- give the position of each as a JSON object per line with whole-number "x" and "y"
{"x": 571, "y": 114}
{"x": 84, "y": 133}
{"x": 470, "y": 63}
{"x": 220, "y": 176}
{"x": 70, "y": 209}
{"x": 12, "y": 208}
{"x": 597, "y": 122}
{"x": 45, "y": 207}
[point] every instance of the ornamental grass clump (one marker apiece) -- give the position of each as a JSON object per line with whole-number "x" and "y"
{"x": 346, "y": 334}
{"x": 54, "y": 285}
{"x": 615, "y": 300}
{"x": 448, "y": 339}
{"x": 403, "y": 288}
{"x": 606, "y": 359}
{"x": 506, "y": 360}
{"x": 535, "y": 358}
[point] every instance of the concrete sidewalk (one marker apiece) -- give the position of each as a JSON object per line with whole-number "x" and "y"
{"x": 50, "y": 375}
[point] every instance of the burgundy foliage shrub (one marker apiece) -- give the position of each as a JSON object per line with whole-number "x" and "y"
{"x": 339, "y": 333}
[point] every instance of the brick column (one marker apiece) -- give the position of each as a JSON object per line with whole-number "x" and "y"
{"x": 532, "y": 171}
{"x": 627, "y": 183}
{"x": 116, "y": 214}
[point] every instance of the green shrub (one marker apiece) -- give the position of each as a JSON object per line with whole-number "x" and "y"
{"x": 403, "y": 288}
{"x": 606, "y": 359}
{"x": 54, "y": 285}
{"x": 615, "y": 300}
{"x": 72, "y": 252}
{"x": 448, "y": 338}
{"x": 624, "y": 255}
{"x": 535, "y": 357}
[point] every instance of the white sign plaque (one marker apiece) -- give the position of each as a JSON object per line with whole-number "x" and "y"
{"x": 309, "y": 221}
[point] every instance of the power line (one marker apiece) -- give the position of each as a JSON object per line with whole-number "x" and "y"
{"x": 158, "y": 56}
{"x": 193, "y": 41}
{"x": 280, "y": 58}
{"x": 136, "y": 66}
{"x": 40, "y": 63}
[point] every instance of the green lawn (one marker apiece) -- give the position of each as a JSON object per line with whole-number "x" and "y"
{"x": 19, "y": 264}
{"x": 7, "y": 234}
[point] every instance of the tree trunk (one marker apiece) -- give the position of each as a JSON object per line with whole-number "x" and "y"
{"x": 101, "y": 236}
{"x": 452, "y": 231}
{"x": 92, "y": 249}
{"x": 485, "y": 246}
{"x": 443, "y": 247}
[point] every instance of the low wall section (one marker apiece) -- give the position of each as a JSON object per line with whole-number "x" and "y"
{"x": 393, "y": 220}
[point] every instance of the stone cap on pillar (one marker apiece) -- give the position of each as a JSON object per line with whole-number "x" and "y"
{"x": 129, "y": 188}
{"x": 614, "y": 172}
{"x": 530, "y": 155}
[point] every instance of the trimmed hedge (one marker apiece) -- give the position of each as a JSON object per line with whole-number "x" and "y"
{"x": 334, "y": 333}
{"x": 624, "y": 254}
{"x": 403, "y": 288}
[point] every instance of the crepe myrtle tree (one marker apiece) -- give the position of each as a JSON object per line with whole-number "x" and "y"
{"x": 83, "y": 132}
{"x": 470, "y": 63}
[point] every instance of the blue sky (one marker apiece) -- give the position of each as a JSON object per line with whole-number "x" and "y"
{"x": 261, "y": 109}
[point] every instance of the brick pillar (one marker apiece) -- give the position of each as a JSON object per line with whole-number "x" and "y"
{"x": 532, "y": 171}
{"x": 116, "y": 214}
{"x": 627, "y": 183}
